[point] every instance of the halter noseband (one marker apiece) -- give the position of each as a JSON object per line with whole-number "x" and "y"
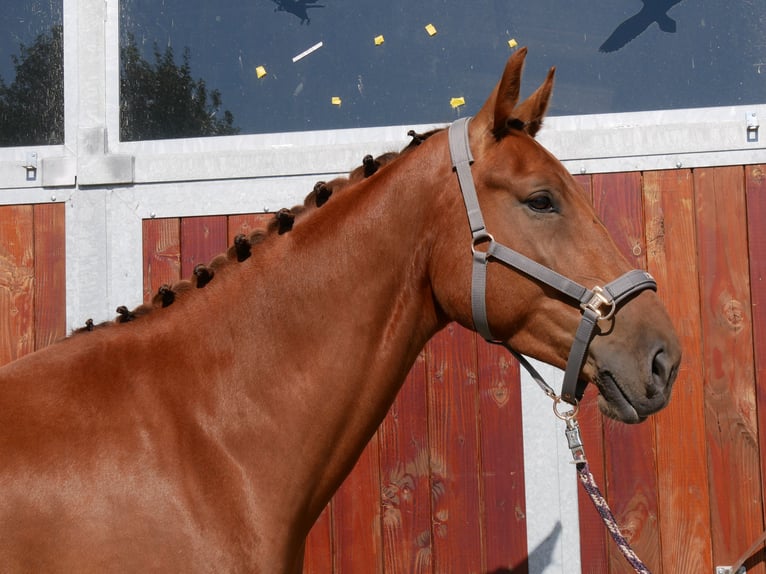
{"x": 599, "y": 303}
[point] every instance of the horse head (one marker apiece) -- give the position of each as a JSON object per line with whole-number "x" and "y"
{"x": 532, "y": 205}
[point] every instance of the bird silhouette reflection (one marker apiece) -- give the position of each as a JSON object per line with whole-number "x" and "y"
{"x": 653, "y": 11}
{"x": 297, "y": 8}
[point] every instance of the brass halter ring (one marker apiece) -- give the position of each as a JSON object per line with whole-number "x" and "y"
{"x": 566, "y": 416}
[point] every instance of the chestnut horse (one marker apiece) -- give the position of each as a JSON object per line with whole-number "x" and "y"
{"x": 209, "y": 435}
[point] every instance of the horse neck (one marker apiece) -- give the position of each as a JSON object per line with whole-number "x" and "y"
{"x": 340, "y": 310}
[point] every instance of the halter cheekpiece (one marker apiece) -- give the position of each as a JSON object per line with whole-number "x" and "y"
{"x": 597, "y": 304}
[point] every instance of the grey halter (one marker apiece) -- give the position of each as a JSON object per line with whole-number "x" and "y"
{"x": 597, "y": 304}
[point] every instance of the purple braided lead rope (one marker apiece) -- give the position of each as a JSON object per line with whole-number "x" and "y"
{"x": 589, "y": 483}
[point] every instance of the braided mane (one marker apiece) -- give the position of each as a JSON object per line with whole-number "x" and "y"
{"x": 283, "y": 221}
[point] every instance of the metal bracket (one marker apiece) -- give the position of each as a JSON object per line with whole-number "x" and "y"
{"x": 752, "y": 127}
{"x": 728, "y": 570}
{"x": 31, "y": 165}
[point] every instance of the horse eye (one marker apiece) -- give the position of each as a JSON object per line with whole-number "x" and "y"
{"x": 541, "y": 203}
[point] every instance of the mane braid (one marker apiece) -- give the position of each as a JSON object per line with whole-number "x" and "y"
{"x": 284, "y": 220}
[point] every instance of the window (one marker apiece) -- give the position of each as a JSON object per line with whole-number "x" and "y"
{"x": 31, "y": 73}
{"x": 190, "y": 67}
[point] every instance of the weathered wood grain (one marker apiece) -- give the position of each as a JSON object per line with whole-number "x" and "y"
{"x": 594, "y": 538}
{"x": 454, "y": 451}
{"x": 162, "y": 254}
{"x": 730, "y": 401}
{"x": 405, "y": 478}
{"x": 755, "y": 188}
{"x": 202, "y": 238}
{"x": 682, "y": 481}
{"x": 502, "y": 456}
{"x": 319, "y": 550}
{"x": 593, "y": 547}
{"x": 50, "y": 273}
{"x": 357, "y": 538}
{"x": 629, "y": 449}
{"x": 17, "y": 337}
{"x": 246, "y": 224}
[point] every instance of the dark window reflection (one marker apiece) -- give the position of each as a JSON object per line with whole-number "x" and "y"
{"x": 161, "y": 99}
{"x": 31, "y": 73}
{"x": 287, "y": 65}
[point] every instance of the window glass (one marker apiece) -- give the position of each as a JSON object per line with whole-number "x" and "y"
{"x": 192, "y": 67}
{"x": 31, "y": 73}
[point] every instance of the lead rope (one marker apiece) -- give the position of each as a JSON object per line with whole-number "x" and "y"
{"x": 588, "y": 481}
{"x": 597, "y": 498}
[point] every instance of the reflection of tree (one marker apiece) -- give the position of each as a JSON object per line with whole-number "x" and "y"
{"x": 32, "y": 106}
{"x": 161, "y": 100}
{"x": 158, "y": 100}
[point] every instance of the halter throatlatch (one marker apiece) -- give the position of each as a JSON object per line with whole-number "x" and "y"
{"x": 597, "y": 304}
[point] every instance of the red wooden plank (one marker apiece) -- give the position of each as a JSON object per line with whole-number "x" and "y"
{"x": 586, "y": 185}
{"x": 162, "y": 254}
{"x": 17, "y": 336}
{"x": 453, "y": 436}
{"x": 50, "y": 273}
{"x": 356, "y": 509}
{"x": 629, "y": 449}
{"x": 319, "y": 556}
{"x": 405, "y": 479}
{"x": 247, "y": 223}
{"x": 594, "y": 539}
{"x": 202, "y": 238}
{"x": 730, "y": 402}
{"x": 680, "y": 432}
{"x": 593, "y": 536}
{"x": 755, "y": 187}
{"x": 502, "y": 455}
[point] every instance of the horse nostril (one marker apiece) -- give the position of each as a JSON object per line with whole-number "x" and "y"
{"x": 663, "y": 373}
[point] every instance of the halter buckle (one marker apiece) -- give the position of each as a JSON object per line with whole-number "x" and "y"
{"x": 599, "y": 302}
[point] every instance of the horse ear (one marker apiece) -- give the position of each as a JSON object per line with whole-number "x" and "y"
{"x": 532, "y": 110}
{"x": 498, "y": 109}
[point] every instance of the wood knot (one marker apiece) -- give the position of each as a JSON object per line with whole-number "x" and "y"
{"x": 500, "y": 394}
{"x": 733, "y": 313}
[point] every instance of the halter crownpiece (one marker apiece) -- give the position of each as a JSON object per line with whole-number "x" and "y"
{"x": 597, "y": 304}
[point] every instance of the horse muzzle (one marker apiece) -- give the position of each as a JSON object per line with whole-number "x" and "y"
{"x": 633, "y": 388}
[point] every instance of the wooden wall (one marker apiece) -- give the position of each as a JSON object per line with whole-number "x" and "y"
{"x": 441, "y": 486}
{"x": 32, "y": 278}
